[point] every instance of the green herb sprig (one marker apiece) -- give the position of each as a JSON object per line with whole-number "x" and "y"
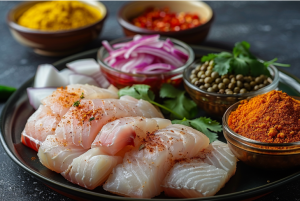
{"x": 240, "y": 61}
{"x": 177, "y": 105}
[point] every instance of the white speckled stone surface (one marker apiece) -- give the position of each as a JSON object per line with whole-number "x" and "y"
{"x": 272, "y": 28}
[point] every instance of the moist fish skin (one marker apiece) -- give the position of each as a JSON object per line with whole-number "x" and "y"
{"x": 45, "y": 119}
{"x": 193, "y": 178}
{"x": 80, "y": 125}
{"x": 91, "y": 169}
{"x": 142, "y": 171}
{"x": 115, "y": 135}
{"x": 63, "y": 98}
{"x": 39, "y": 125}
{"x": 219, "y": 155}
{"x": 57, "y": 154}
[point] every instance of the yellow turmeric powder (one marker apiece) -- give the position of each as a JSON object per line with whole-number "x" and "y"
{"x": 273, "y": 117}
{"x": 59, "y": 15}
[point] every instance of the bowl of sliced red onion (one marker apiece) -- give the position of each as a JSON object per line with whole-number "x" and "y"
{"x": 151, "y": 60}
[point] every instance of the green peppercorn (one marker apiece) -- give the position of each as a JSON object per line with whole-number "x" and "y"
{"x": 229, "y": 92}
{"x": 233, "y": 80}
{"x": 231, "y": 85}
{"x": 221, "y": 86}
{"x": 215, "y": 87}
{"x": 224, "y": 76}
{"x": 239, "y": 84}
{"x": 239, "y": 77}
{"x": 218, "y": 80}
{"x": 258, "y": 80}
{"x": 201, "y": 81}
{"x": 203, "y": 76}
{"x": 208, "y": 72}
{"x": 266, "y": 82}
{"x": 197, "y": 83}
{"x": 256, "y": 87}
{"x": 236, "y": 89}
{"x": 226, "y": 81}
{"x": 243, "y": 90}
{"x": 202, "y": 87}
{"x": 210, "y": 89}
{"x": 198, "y": 68}
{"x": 194, "y": 80}
{"x": 203, "y": 68}
{"x": 208, "y": 80}
{"x": 252, "y": 84}
{"x": 247, "y": 86}
{"x": 221, "y": 91}
{"x": 214, "y": 75}
{"x": 192, "y": 76}
{"x": 207, "y": 85}
{"x": 211, "y": 63}
{"x": 261, "y": 86}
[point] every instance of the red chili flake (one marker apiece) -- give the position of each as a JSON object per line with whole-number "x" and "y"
{"x": 164, "y": 20}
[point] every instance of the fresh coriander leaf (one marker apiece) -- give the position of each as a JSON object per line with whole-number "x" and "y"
{"x": 204, "y": 125}
{"x": 222, "y": 65}
{"x": 242, "y": 49}
{"x": 178, "y": 102}
{"x": 268, "y": 63}
{"x": 82, "y": 96}
{"x": 225, "y": 55}
{"x": 138, "y": 91}
{"x": 241, "y": 67}
{"x": 91, "y": 119}
{"x": 208, "y": 57}
{"x": 141, "y": 91}
{"x": 257, "y": 68}
{"x": 76, "y": 103}
{"x": 183, "y": 122}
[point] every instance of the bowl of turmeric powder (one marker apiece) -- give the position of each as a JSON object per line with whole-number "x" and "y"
{"x": 264, "y": 131}
{"x": 55, "y": 28}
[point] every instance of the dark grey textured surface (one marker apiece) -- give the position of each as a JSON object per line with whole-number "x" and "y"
{"x": 272, "y": 28}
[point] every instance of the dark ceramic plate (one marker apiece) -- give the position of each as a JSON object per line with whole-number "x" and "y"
{"x": 246, "y": 183}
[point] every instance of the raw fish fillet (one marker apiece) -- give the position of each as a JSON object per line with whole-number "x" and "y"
{"x": 193, "y": 178}
{"x": 142, "y": 171}
{"x": 91, "y": 169}
{"x": 43, "y": 121}
{"x": 115, "y": 135}
{"x": 219, "y": 155}
{"x": 63, "y": 98}
{"x": 56, "y": 154}
{"x": 39, "y": 125}
{"x": 80, "y": 125}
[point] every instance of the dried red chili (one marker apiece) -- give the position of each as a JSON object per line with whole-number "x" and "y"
{"x": 273, "y": 117}
{"x": 164, "y": 20}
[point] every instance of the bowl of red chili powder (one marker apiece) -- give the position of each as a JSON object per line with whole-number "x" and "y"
{"x": 264, "y": 131}
{"x": 188, "y": 21}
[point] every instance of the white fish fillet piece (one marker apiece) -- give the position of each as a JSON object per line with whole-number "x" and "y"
{"x": 115, "y": 135}
{"x": 193, "y": 178}
{"x": 91, "y": 169}
{"x": 219, "y": 155}
{"x": 39, "y": 125}
{"x": 63, "y": 98}
{"x": 142, "y": 171}
{"x": 81, "y": 124}
{"x": 56, "y": 154}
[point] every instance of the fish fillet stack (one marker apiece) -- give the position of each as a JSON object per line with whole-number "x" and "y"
{"x": 125, "y": 145}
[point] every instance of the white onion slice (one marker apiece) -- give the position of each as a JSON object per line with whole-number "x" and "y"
{"x": 84, "y": 66}
{"x": 36, "y": 95}
{"x": 82, "y": 79}
{"x": 48, "y": 76}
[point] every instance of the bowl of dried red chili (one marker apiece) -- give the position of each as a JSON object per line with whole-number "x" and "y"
{"x": 188, "y": 21}
{"x": 264, "y": 131}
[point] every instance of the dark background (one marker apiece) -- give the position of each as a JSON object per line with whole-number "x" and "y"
{"x": 272, "y": 29}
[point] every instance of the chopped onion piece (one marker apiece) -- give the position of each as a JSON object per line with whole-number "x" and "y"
{"x": 82, "y": 79}
{"x": 48, "y": 76}
{"x": 84, "y": 66}
{"x": 36, "y": 95}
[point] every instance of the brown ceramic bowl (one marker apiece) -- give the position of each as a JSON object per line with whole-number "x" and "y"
{"x": 54, "y": 43}
{"x": 271, "y": 156}
{"x": 216, "y": 104}
{"x": 193, "y": 35}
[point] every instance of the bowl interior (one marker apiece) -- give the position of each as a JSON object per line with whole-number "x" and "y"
{"x": 134, "y": 9}
{"x": 15, "y": 14}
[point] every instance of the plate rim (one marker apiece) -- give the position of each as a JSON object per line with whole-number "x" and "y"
{"x": 235, "y": 195}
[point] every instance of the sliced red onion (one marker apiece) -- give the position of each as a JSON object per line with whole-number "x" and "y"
{"x": 36, "y": 95}
{"x": 133, "y": 56}
{"x": 107, "y": 46}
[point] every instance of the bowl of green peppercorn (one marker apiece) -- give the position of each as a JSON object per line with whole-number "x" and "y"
{"x": 217, "y": 81}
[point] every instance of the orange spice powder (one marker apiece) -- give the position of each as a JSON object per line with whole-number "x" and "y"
{"x": 273, "y": 117}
